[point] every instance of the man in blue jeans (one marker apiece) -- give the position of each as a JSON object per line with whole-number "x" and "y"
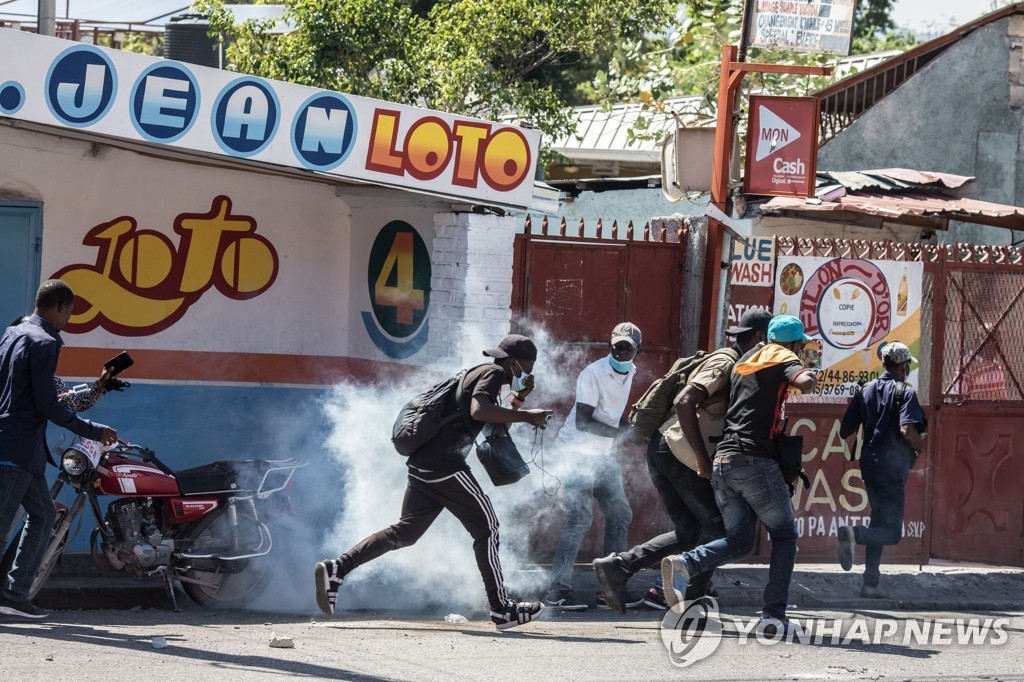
{"x": 893, "y": 424}
{"x": 28, "y": 399}
{"x": 747, "y": 480}
{"x": 586, "y": 445}
{"x": 679, "y": 462}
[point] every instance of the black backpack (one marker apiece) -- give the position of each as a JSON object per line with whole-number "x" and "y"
{"x": 423, "y": 417}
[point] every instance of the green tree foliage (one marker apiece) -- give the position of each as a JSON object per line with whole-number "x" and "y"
{"x": 653, "y": 69}
{"x": 144, "y": 43}
{"x": 487, "y": 58}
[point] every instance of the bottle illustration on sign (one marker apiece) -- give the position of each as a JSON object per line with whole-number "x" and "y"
{"x": 902, "y": 296}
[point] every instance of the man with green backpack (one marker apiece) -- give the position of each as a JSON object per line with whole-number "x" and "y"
{"x": 682, "y": 415}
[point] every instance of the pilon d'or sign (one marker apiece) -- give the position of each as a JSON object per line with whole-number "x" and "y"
{"x": 851, "y": 308}
{"x": 73, "y": 85}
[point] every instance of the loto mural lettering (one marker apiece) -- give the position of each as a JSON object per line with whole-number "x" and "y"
{"x": 141, "y": 284}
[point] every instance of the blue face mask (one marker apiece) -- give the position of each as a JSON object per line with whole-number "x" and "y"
{"x": 620, "y": 367}
{"x": 519, "y": 382}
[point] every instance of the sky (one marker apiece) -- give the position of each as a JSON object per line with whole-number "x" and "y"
{"x": 939, "y": 15}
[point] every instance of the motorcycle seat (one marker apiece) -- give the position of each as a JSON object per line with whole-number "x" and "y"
{"x": 230, "y": 476}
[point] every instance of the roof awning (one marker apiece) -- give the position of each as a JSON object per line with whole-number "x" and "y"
{"x": 896, "y": 195}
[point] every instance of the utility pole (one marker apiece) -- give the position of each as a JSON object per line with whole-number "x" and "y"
{"x": 732, "y": 72}
{"x": 47, "y": 18}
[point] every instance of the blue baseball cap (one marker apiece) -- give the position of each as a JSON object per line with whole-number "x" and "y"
{"x": 786, "y": 328}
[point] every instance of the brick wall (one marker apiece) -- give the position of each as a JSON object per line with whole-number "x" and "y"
{"x": 471, "y": 285}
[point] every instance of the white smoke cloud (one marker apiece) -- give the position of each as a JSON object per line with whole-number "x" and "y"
{"x": 358, "y": 491}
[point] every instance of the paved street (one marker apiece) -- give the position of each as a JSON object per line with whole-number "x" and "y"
{"x": 208, "y": 645}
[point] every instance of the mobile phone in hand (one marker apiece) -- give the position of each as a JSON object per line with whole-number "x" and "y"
{"x": 118, "y": 363}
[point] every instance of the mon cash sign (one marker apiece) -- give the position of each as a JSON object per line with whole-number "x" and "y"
{"x": 782, "y": 146}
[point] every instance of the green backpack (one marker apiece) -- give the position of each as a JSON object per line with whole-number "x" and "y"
{"x": 652, "y": 410}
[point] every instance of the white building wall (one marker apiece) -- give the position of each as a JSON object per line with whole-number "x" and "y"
{"x": 472, "y": 280}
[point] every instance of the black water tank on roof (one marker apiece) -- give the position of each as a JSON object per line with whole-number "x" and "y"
{"x": 186, "y": 40}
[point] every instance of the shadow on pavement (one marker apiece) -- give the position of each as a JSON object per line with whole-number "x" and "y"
{"x": 87, "y": 634}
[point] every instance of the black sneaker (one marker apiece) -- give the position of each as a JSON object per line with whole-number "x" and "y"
{"x": 611, "y": 578}
{"x": 781, "y": 628}
{"x": 22, "y": 609}
{"x": 328, "y": 578}
{"x": 564, "y": 601}
{"x": 847, "y": 540}
{"x": 873, "y": 592}
{"x": 655, "y": 599}
{"x": 630, "y": 602}
{"x": 515, "y": 613}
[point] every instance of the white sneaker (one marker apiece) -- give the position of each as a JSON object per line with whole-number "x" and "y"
{"x": 515, "y": 613}
{"x": 328, "y": 578}
{"x": 674, "y": 579}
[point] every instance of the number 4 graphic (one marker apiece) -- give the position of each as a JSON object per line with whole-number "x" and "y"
{"x": 402, "y": 295}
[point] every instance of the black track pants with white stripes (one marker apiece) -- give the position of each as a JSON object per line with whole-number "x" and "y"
{"x": 460, "y": 494}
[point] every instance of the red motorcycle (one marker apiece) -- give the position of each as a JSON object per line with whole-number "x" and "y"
{"x": 200, "y": 527}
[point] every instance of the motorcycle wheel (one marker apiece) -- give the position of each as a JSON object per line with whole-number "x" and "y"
{"x": 44, "y": 571}
{"x": 228, "y": 588}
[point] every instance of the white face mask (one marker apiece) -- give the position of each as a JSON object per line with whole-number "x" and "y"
{"x": 519, "y": 382}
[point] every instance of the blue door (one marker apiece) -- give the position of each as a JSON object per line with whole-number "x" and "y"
{"x": 20, "y": 247}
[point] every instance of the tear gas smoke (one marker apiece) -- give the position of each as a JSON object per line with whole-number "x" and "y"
{"x": 357, "y": 489}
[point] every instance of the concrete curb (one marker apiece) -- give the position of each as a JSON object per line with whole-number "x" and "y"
{"x": 79, "y": 585}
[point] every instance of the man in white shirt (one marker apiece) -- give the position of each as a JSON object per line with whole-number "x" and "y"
{"x": 586, "y": 444}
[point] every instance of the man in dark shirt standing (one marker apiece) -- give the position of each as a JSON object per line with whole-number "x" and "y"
{"x": 439, "y": 479}
{"x": 746, "y": 477}
{"x": 893, "y": 424}
{"x": 28, "y": 399}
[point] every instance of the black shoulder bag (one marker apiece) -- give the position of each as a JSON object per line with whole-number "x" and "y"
{"x": 894, "y": 417}
{"x": 498, "y": 453}
{"x": 500, "y": 457}
{"x": 789, "y": 453}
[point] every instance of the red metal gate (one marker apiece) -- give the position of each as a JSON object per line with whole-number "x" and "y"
{"x": 570, "y": 291}
{"x": 977, "y": 511}
{"x": 963, "y": 500}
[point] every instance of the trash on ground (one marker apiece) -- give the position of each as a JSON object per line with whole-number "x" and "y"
{"x": 281, "y": 641}
{"x": 455, "y": 618}
{"x": 159, "y": 642}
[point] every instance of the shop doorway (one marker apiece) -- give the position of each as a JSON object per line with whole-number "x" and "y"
{"x": 20, "y": 249}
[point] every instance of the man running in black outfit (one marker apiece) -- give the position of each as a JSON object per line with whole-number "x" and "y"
{"x": 439, "y": 478}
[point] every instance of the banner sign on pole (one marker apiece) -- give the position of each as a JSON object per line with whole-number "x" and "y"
{"x": 782, "y": 146}
{"x": 818, "y": 26}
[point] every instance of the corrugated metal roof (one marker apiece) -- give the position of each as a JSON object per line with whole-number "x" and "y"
{"x": 602, "y": 134}
{"x": 898, "y": 195}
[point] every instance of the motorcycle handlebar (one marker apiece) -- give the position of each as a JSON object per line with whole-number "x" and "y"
{"x": 149, "y": 456}
{"x": 115, "y": 384}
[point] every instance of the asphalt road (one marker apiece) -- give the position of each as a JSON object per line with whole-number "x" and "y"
{"x": 221, "y": 645}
